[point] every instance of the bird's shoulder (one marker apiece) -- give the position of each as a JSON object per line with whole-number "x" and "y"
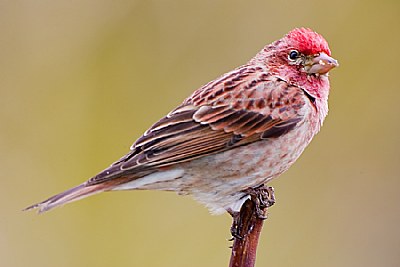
{"x": 250, "y": 88}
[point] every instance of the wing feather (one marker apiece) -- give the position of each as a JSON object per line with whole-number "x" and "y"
{"x": 214, "y": 119}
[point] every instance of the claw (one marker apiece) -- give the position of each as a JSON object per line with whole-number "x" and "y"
{"x": 235, "y": 225}
{"x": 262, "y": 197}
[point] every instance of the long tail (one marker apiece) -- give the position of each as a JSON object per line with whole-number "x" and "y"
{"x": 73, "y": 194}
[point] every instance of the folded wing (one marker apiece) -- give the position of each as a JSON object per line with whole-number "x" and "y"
{"x": 241, "y": 107}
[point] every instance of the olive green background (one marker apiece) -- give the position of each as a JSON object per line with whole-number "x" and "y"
{"x": 81, "y": 80}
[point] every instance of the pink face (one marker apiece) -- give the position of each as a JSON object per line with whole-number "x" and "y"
{"x": 302, "y": 57}
{"x": 308, "y": 52}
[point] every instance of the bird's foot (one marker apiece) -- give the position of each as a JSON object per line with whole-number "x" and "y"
{"x": 261, "y": 198}
{"x": 235, "y": 224}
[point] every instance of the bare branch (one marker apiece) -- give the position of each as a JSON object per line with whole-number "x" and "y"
{"x": 247, "y": 226}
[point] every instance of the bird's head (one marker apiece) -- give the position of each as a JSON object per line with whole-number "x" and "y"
{"x": 302, "y": 57}
{"x": 308, "y": 52}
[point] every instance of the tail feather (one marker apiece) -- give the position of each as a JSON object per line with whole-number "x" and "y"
{"x": 70, "y": 195}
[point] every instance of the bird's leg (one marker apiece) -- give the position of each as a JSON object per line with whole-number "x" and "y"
{"x": 235, "y": 224}
{"x": 261, "y": 198}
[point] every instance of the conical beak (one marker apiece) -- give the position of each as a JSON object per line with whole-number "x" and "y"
{"x": 322, "y": 64}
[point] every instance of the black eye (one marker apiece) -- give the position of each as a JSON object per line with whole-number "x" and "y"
{"x": 293, "y": 55}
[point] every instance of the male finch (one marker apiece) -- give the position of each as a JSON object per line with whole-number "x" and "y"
{"x": 236, "y": 132}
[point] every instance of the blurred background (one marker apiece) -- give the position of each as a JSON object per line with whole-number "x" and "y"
{"x": 81, "y": 80}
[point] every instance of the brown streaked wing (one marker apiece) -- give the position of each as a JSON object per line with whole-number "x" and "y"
{"x": 217, "y": 121}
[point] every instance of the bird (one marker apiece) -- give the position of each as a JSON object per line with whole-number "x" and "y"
{"x": 239, "y": 131}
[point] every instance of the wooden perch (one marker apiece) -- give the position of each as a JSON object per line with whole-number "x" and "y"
{"x": 247, "y": 226}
